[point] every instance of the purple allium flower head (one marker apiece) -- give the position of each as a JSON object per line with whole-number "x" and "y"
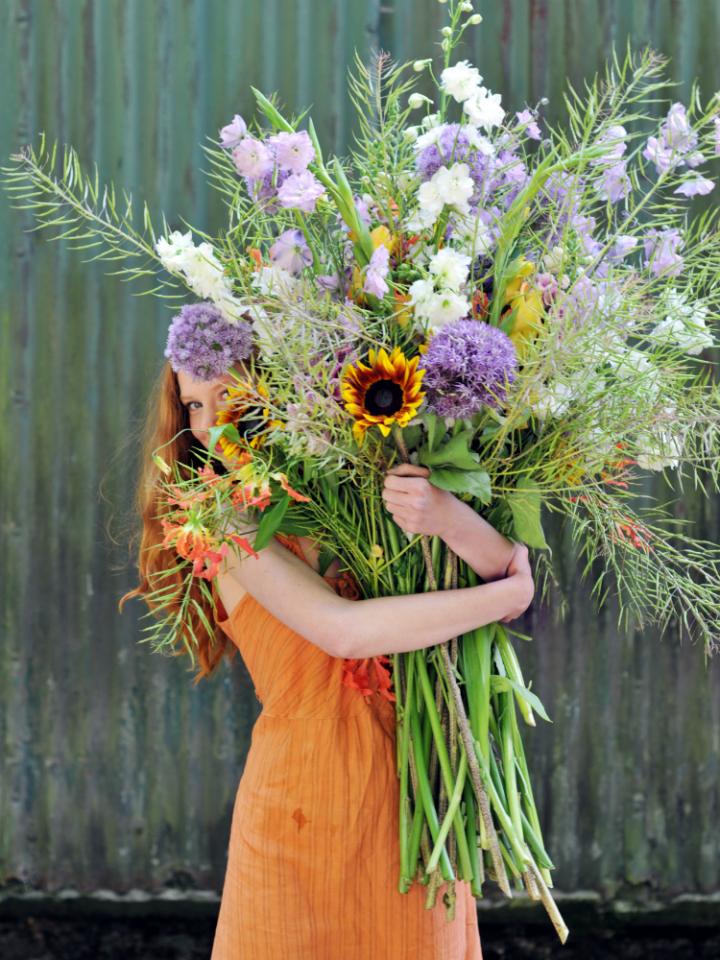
{"x": 452, "y": 146}
{"x": 203, "y": 344}
{"x": 233, "y": 133}
{"x": 300, "y": 192}
{"x": 696, "y": 186}
{"x": 252, "y": 158}
{"x": 528, "y": 120}
{"x": 661, "y": 254}
{"x": 377, "y": 270}
{"x": 293, "y": 151}
{"x": 291, "y": 252}
{"x": 468, "y": 364}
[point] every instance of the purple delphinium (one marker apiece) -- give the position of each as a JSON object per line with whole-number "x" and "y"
{"x": 300, "y": 192}
{"x": 293, "y": 151}
{"x": 233, "y": 133}
{"x": 252, "y": 158}
{"x": 377, "y": 270}
{"x": 661, "y": 254}
{"x": 468, "y": 365}
{"x": 203, "y": 344}
{"x": 291, "y": 252}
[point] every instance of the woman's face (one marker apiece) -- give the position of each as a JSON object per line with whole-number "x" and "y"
{"x": 203, "y": 399}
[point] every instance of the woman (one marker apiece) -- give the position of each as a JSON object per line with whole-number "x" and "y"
{"x": 313, "y": 859}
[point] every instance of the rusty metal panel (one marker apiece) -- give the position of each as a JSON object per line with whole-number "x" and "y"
{"x": 115, "y": 772}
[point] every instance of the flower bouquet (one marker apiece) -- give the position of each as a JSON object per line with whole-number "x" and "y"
{"x": 523, "y": 313}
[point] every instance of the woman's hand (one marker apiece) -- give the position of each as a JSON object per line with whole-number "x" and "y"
{"x": 520, "y": 572}
{"x": 416, "y": 505}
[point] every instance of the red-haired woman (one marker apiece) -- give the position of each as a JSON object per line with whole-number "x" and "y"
{"x": 313, "y": 859}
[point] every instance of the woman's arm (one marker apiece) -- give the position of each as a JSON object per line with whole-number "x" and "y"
{"x": 300, "y": 598}
{"x": 419, "y": 507}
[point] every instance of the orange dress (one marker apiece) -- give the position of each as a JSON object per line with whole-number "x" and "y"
{"x": 313, "y": 857}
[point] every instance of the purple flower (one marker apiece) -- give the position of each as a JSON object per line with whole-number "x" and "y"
{"x": 547, "y": 285}
{"x": 614, "y": 136}
{"x": 661, "y": 254}
{"x": 203, "y": 344}
{"x": 377, "y": 270}
{"x": 528, "y": 120}
{"x": 233, "y": 133}
{"x": 624, "y": 244}
{"x": 252, "y": 158}
{"x": 291, "y": 252}
{"x": 468, "y": 364}
{"x": 658, "y": 153}
{"x": 716, "y": 121}
{"x": 696, "y": 186}
{"x": 615, "y": 183}
{"x": 293, "y": 151}
{"x": 451, "y": 146}
{"x": 300, "y": 192}
{"x": 676, "y": 142}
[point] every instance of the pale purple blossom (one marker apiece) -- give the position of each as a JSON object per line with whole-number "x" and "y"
{"x": 252, "y": 158}
{"x": 716, "y": 121}
{"x": 547, "y": 285}
{"x": 697, "y": 186}
{"x": 661, "y": 254}
{"x": 658, "y": 153}
{"x": 290, "y": 252}
{"x": 233, "y": 133}
{"x": 529, "y": 121}
{"x": 377, "y": 270}
{"x": 468, "y": 365}
{"x": 615, "y": 184}
{"x": 300, "y": 192}
{"x": 624, "y": 245}
{"x": 614, "y": 137}
{"x": 293, "y": 151}
{"x": 676, "y": 143}
{"x": 203, "y": 344}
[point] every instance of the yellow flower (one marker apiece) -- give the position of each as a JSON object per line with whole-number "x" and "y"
{"x": 251, "y": 419}
{"x": 382, "y": 236}
{"x": 528, "y": 306}
{"x": 384, "y": 392}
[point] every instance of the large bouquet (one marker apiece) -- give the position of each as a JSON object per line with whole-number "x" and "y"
{"x": 522, "y": 312}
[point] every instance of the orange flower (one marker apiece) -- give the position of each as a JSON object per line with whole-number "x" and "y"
{"x": 288, "y": 489}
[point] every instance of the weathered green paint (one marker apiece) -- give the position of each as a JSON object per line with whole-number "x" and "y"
{"x": 114, "y": 771}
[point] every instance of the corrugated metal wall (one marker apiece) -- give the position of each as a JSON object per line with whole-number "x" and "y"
{"x": 114, "y": 771}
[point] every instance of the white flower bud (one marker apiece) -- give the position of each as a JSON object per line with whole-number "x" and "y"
{"x": 445, "y": 45}
{"x": 475, "y": 19}
{"x": 420, "y": 65}
{"x": 466, "y": 6}
{"x": 410, "y": 134}
{"x": 442, "y": 1}
{"x": 446, "y": 31}
{"x": 416, "y": 100}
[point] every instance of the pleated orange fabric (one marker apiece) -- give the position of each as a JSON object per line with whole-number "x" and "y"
{"x": 313, "y": 857}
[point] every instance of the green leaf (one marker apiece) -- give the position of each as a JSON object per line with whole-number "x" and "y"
{"x": 271, "y": 112}
{"x": 412, "y": 436}
{"x": 270, "y": 523}
{"x": 525, "y": 502}
{"x": 435, "y": 429}
{"x": 474, "y": 482}
{"x": 504, "y": 684}
{"x": 455, "y": 453}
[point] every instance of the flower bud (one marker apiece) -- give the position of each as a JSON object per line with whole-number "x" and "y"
{"x": 420, "y": 65}
{"x": 446, "y": 31}
{"x": 475, "y": 19}
{"x": 445, "y": 45}
{"x": 416, "y": 100}
{"x": 410, "y": 134}
{"x": 466, "y": 6}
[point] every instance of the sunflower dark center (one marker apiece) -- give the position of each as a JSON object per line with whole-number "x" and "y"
{"x": 250, "y": 425}
{"x": 384, "y": 398}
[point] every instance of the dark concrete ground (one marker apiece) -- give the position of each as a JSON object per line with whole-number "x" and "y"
{"x": 144, "y": 938}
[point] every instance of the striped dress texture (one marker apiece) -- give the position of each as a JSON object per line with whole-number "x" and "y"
{"x": 313, "y": 855}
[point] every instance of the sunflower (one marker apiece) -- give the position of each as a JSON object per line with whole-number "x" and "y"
{"x": 384, "y": 392}
{"x": 244, "y": 409}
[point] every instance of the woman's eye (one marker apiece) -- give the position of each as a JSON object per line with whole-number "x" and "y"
{"x": 190, "y": 405}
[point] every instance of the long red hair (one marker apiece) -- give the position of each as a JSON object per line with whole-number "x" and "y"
{"x": 167, "y": 427}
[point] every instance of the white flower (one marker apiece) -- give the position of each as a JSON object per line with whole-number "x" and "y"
{"x": 553, "y": 259}
{"x": 484, "y": 109}
{"x": 419, "y": 65}
{"x": 455, "y": 186}
{"x": 450, "y": 268}
{"x": 470, "y": 234}
{"x": 475, "y": 19}
{"x": 461, "y": 81}
{"x": 684, "y": 324}
{"x": 274, "y": 281}
{"x": 430, "y": 201}
{"x": 420, "y": 293}
{"x": 173, "y": 251}
{"x": 430, "y": 120}
{"x": 444, "y": 307}
{"x": 410, "y": 134}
